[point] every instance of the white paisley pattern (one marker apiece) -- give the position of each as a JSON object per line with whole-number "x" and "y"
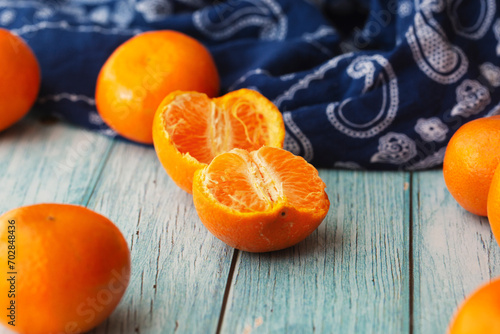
{"x": 494, "y": 111}
{"x": 362, "y": 68}
{"x": 312, "y": 38}
{"x": 157, "y": 10}
{"x": 101, "y": 12}
{"x": 304, "y": 83}
{"x": 472, "y": 98}
{"x": 243, "y": 78}
{"x": 434, "y": 54}
{"x": 481, "y": 25}
{"x": 307, "y": 148}
{"x": 154, "y": 10}
{"x": 395, "y": 148}
{"x": 431, "y": 129}
{"x": 63, "y": 25}
{"x": 405, "y": 8}
{"x": 496, "y": 31}
{"x": 233, "y": 17}
{"x": 291, "y": 144}
{"x": 86, "y": 16}
{"x": 491, "y": 73}
{"x": 287, "y": 77}
{"x": 431, "y": 161}
{"x": 108, "y": 132}
{"x": 347, "y": 165}
{"x": 95, "y": 118}
{"x": 67, "y": 96}
{"x": 100, "y": 15}
{"x": 429, "y": 6}
{"x": 366, "y": 67}
{"x": 7, "y": 16}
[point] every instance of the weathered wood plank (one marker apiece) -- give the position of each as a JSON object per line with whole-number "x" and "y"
{"x": 453, "y": 253}
{"x": 349, "y": 276}
{"x": 179, "y": 270}
{"x": 49, "y": 163}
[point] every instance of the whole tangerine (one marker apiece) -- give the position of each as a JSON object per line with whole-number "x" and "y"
{"x": 65, "y": 268}
{"x": 20, "y": 79}
{"x": 142, "y": 71}
{"x": 471, "y": 158}
{"x": 480, "y": 313}
{"x": 494, "y": 205}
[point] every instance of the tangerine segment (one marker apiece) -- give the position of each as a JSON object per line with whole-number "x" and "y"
{"x": 261, "y": 201}
{"x": 73, "y": 267}
{"x": 190, "y": 129}
{"x": 472, "y": 155}
{"x": 494, "y": 205}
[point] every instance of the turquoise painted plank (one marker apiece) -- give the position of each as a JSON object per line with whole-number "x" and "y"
{"x": 179, "y": 270}
{"x": 48, "y": 163}
{"x": 453, "y": 253}
{"x": 350, "y": 276}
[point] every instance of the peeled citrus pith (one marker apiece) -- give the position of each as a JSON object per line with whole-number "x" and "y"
{"x": 261, "y": 201}
{"x": 190, "y": 129}
{"x": 262, "y": 180}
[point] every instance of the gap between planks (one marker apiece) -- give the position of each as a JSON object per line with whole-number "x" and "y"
{"x": 100, "y": 168}
{"x": 234, "y": 261}
{"x": 410, "y": 254}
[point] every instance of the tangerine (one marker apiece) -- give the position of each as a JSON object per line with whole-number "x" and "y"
{"x": 20, "y": 79}
{"x": 480, "y": 313}
{"x": 471, "y": 158}
{"x": 261, "y": 201}
{"x": 142, "y": 71}
{"x": 494, "y": 205}
{"x": 72, "y": 265}
{"x": 190, "y": 129}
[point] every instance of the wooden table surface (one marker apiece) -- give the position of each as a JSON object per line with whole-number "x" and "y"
{"x": 396, "y": 254}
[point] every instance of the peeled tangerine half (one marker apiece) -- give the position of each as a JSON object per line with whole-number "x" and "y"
{"x": 190, "y": 129}
{"x": 260, "y": 201}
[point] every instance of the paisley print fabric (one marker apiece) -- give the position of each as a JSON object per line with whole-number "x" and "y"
{"x": 387, "y": 94}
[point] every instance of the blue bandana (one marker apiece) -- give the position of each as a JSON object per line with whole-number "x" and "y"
{"x": 388, "y": 94}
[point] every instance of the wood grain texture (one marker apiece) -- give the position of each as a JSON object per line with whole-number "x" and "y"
{"x": 349, "y": 276}
{"x": 179, "y": 270}
{"x": 352, "y": 275}
{"x": 49, "y": 163}
{"x": 453, "y": 253}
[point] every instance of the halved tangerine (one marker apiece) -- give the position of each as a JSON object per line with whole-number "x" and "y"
{"x": 190, "y": 129}
{"x": 260, "y": 201}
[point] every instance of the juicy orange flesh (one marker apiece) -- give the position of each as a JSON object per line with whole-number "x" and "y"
{"x": 187, "y": 125}
{"x": 257, "y": 181}
{"x": 205, "y": 128}
{"x": 249, "y": 130}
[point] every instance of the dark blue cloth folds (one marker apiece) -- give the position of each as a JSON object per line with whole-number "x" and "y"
{"x": 388, "y": 94}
